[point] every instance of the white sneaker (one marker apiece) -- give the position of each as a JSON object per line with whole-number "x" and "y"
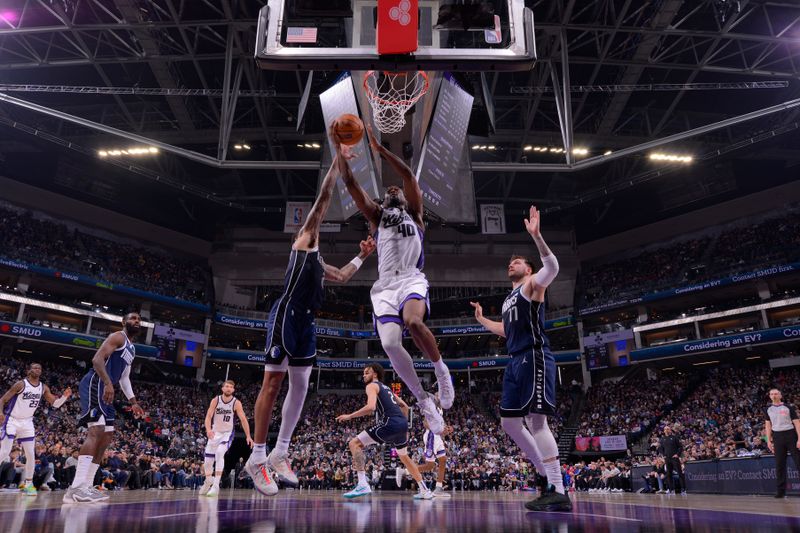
{"x": 360, "y": 490}
{"x": 423, "y": 495}
{"x": 447, "y": 393}
{"x": 432, "y": 416}
{"x": 213, "y": 491}
{"x": 439, "y": 492}
{"x": 262, "y": 479}
{"x": 206, "y": 486}
{"x": 281, "y": 465}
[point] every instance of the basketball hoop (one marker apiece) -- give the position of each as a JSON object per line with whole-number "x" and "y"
{"x": 391, "y": 95}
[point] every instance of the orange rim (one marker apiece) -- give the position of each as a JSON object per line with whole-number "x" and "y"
{"x": 375, "y": 98}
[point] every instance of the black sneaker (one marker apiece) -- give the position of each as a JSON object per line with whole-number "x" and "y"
{"x": 550, "y": 501}
{"x": 780, "y": 495}
{"x": 540, "y": 482}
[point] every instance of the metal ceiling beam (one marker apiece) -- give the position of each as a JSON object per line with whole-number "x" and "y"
{"x": 598, "y": 160}
{"x": 130, "y": 11}
{"x": 182, "y": 152}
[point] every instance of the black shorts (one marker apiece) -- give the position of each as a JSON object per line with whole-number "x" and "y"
{"x": 291, "y": 333}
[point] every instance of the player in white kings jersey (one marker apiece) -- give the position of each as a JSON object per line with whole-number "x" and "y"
{"x": 400, "y": 295}
{"x": 17, "y": 407}
{"x": 219, "y": 429}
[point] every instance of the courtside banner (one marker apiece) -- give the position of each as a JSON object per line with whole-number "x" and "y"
{"x": 697, "y": 287}
{"x": 86, "y": 280}
{"x": 748, "y": 475}
{"x": 353, "y": 333}
{"x": 242, "y": 356}
{"x": 65, "y": 338}
{"x": 728, "y": 342}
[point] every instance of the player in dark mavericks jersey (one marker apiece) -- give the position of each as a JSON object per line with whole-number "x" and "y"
{"x": 111, "y": 366}
{"x": 529, "y": 382}
{"x": 292, "y": 342}
{"x": 391, "y": 429}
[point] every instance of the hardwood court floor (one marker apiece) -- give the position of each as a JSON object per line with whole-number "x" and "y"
{"x": 321, "y": 511}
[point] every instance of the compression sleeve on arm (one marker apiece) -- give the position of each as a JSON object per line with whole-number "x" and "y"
{"x": 545, "y": 276}
{"x": 125, "y": 383}
{"x": 59, "y": 402}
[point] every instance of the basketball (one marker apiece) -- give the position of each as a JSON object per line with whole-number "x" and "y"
{"x": 348, "y": 129}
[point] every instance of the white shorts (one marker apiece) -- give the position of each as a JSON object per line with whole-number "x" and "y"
{"x": 20, "y": 429}
{"x": 390, "y": 294}
{"x": 220, "y": 439}
{"x": 434, "y": 446}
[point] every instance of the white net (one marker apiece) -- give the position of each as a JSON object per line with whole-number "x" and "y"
{"x": 391, "y": 94}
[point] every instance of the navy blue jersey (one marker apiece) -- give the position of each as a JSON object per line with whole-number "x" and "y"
{"x": 523, "y": 322}
{"x": 303, "y": 285}
{"x": 118, "y": 361}
{"x": 387, "y": 407}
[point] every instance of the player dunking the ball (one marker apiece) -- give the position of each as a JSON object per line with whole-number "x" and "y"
{"x": 400, "y": 295}
{"x": 391, "y": 429}
{"x": 111, "y": 366}
{"x": 292, "y": 342}
{"x": 529, "y": 382}
{"x": 219, "y": 430}
{"x": 17, "y": 407}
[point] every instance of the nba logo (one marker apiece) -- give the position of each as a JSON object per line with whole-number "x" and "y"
{"x": 298, "y": 215}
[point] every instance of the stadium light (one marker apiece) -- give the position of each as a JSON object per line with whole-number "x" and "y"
{"x": 580, "y": 151}
{"x": 133, "y": 151}
{"x": 671, "y": 158}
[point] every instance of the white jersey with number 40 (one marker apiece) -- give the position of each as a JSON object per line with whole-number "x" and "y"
{"x": 399, "y": 243}
{"x": 223, "y": 416}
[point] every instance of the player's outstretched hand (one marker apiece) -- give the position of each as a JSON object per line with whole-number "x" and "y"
{"x": 343, "y": 418}
{"x": 367, "y": 246}
{"x": 138, "y": 412}
{"x": 533, "y": 222}
{"x": 250, "y": 442}
{"x": 67, "y": 392}
{"x": 478, "y": 310}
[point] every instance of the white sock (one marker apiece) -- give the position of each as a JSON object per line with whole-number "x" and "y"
{"x": 422, "y": 486}
{"x": 81, "y": 470}
{"x": 439, "y": 485}
{"x": 391, "y": 336}
{"x": 89, "y": 481}
{"x": 362, "y": 479}
{"x": 215, "y": 479}
{"x": 292, "y": 406}
{"x": 30, "y": 459}
{"x": 547, "y": 448}
{"x": 440, "y": 368}
{"x": 259, "y": 454}
{"x": 554, "y": 476}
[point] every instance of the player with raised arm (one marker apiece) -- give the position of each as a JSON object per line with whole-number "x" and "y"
{"x": 111, "y": 366}
{"x": 400, "y": 295}
{"x": 391, "y": 429}
{"x": 529, "y": 382}
{"x": 17, "y": 407}
{"x": 292, "y": 341}
{"x": 219, "y": 430}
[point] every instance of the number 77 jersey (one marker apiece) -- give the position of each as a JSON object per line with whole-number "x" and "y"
{"x": 523, "y": 323}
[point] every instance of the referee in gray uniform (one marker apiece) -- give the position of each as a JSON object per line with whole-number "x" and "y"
{"x": 783, "y": 436}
